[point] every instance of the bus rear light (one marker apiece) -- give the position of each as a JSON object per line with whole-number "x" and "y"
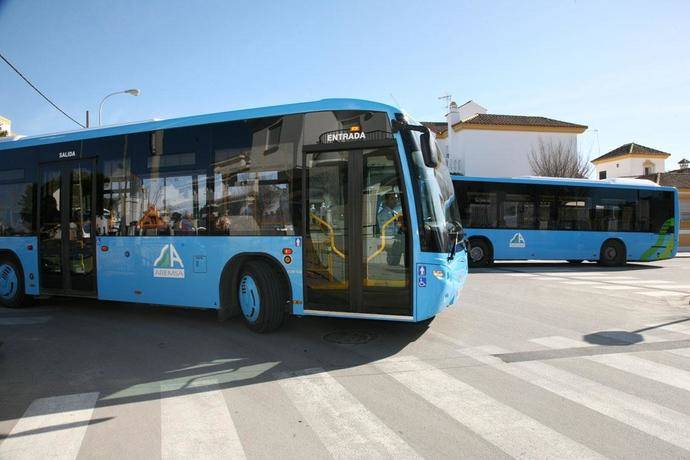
{"x": 104, "y": 248}
{"x": 287, "y": 251}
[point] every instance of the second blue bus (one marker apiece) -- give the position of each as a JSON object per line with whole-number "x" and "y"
{"x": 611, "y": 221}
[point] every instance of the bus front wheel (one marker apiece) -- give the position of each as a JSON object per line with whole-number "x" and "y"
{"x": 261, "y": 299}
{"x": 12, "y": 293}
{"x": 480, "y": 253}
{"x": 612, "y": 253}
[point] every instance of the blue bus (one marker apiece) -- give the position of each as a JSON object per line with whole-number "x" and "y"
{"x": 610, "y": 221}
{"x": 338, "y": 207}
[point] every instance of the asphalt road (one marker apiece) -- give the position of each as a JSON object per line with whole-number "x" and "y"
{"x": 536, "y": 360}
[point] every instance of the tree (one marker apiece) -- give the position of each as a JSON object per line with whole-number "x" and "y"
{"x": 3, "y": 133}
{"x": 556, "y": 159}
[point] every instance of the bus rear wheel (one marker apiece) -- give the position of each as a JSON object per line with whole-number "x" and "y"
{"x": 480, "y": 253}
{"x": 261, "y": 299}
{"x": 12, "y": 285}
{"x": 612, "y": 253}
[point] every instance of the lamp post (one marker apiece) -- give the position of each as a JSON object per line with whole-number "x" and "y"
{"x": 132, "y": 92}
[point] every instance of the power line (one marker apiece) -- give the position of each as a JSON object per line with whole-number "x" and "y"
{"x": 39, "y": 91}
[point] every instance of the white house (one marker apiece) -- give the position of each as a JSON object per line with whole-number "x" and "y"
{"x": 484, "y": 144}
{"x": 630, "y": 160}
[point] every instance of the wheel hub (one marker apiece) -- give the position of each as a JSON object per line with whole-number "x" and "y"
{"x": 250, "y": 302}
{"x": 8, "y": 281}
{"x": 476, "y": 253}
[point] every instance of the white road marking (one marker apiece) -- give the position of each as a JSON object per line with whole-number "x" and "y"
{"x": 661, "y": 293}
{"x": 646, "y": 282}
{"x": 656, "y": 420}
{"x": 582, "y": 283}
{"x": 197, "y": 425}
{"x": 51, "y": 428}
{"x": 631, "y": 364}
{"x": 547, "y": 278}
{"x": 685, "y": 352}
{"x": 615, "y": 287}
{"x": 346, "y": 428}
{"x": 24, "y": 320}
{"x": 609, "y": 278}
{"x": 508, "y": 429}
{"x": 520, "y": 274}
{"x": 683, "y": 328}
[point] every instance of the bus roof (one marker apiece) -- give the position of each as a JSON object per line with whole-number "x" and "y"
{"x": 614, "y": 182}
{"x": 152, "y": 125}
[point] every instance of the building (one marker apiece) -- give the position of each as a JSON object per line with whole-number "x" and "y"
{"x": 5, "y": 127}
{"x": 680, "y": 179}
{"x": 630, "y": 160}
{"x": 485, "y": 144}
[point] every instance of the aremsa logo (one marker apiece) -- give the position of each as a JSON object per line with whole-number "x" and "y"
{"x": 517, "y": 241}
{"x": 168, "y": 264}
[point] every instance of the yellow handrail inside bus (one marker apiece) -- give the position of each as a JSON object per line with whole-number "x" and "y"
{"x": 331, "y": 234}
{"x": 383, "y": 237}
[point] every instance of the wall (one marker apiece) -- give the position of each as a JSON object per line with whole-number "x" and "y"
{"x": 629, "y": 167}
{"x": 479, "y": 152}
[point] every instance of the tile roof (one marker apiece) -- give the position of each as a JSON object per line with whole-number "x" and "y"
{"x": 504, "y": 120}
{"x": 436, "y": 126}
{"x": 631, "y": 148}
{"x": 680, "y": 178}
{"x": 517, "y": 120}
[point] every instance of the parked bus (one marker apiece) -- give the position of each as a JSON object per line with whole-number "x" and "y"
{"x": 609, "y": 221}
{"x": 331, "y": 208}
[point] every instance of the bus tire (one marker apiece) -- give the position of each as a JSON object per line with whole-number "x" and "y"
{"x": 260, "y": 297}
{"x": 612, "y": 253}
{"x": 480, "y": 253}
{"x": 12, "y": 294}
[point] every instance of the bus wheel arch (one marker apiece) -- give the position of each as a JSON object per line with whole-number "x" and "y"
{"x": 481, "y": 253}
{"x": 613, "y": 253}
{"x": 232, "y": 276}
{"x": 12, "y": 289}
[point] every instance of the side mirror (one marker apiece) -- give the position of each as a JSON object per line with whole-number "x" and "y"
{"x": 428, "y": 150}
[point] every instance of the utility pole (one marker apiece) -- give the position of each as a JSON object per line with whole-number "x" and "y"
{"x": 87, "y": 118}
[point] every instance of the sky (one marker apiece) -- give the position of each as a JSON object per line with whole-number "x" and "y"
{"x": 620, "y": 67}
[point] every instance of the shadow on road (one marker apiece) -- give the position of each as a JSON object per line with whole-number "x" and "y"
{"x": 560, "y": 267}
{"x": 130, "y": 353}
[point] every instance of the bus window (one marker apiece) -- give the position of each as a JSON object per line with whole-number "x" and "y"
{"x": 16, "y": 206}
{"x": 256, "y": 188}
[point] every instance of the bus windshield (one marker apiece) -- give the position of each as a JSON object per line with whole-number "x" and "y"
{"x": 439, "y": 216}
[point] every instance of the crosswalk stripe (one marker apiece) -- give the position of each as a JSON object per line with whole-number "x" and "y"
{"x": 583, "y": 283}
{"x": 51, "y": 428}
{"x": 346, "y": 428}
{"x": 651, "y": 418}
{"x": 609, "y": 287}
{"x": 508, "y": 429}
{"x": 197, "y": 424}
{"x": 682, "y": 328}
{"x": 685, "y": 352}
{"x": 631, "y": 364}
{"x": 661, "y": 293}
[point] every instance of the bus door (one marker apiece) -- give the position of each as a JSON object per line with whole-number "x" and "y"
{"x": 67, "y": 228}
{"x": 356, "y": 244}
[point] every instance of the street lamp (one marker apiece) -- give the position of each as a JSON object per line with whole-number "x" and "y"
{"x": 132, "y": 92}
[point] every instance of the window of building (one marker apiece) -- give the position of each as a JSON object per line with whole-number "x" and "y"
{"x": 602, "y": 175}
